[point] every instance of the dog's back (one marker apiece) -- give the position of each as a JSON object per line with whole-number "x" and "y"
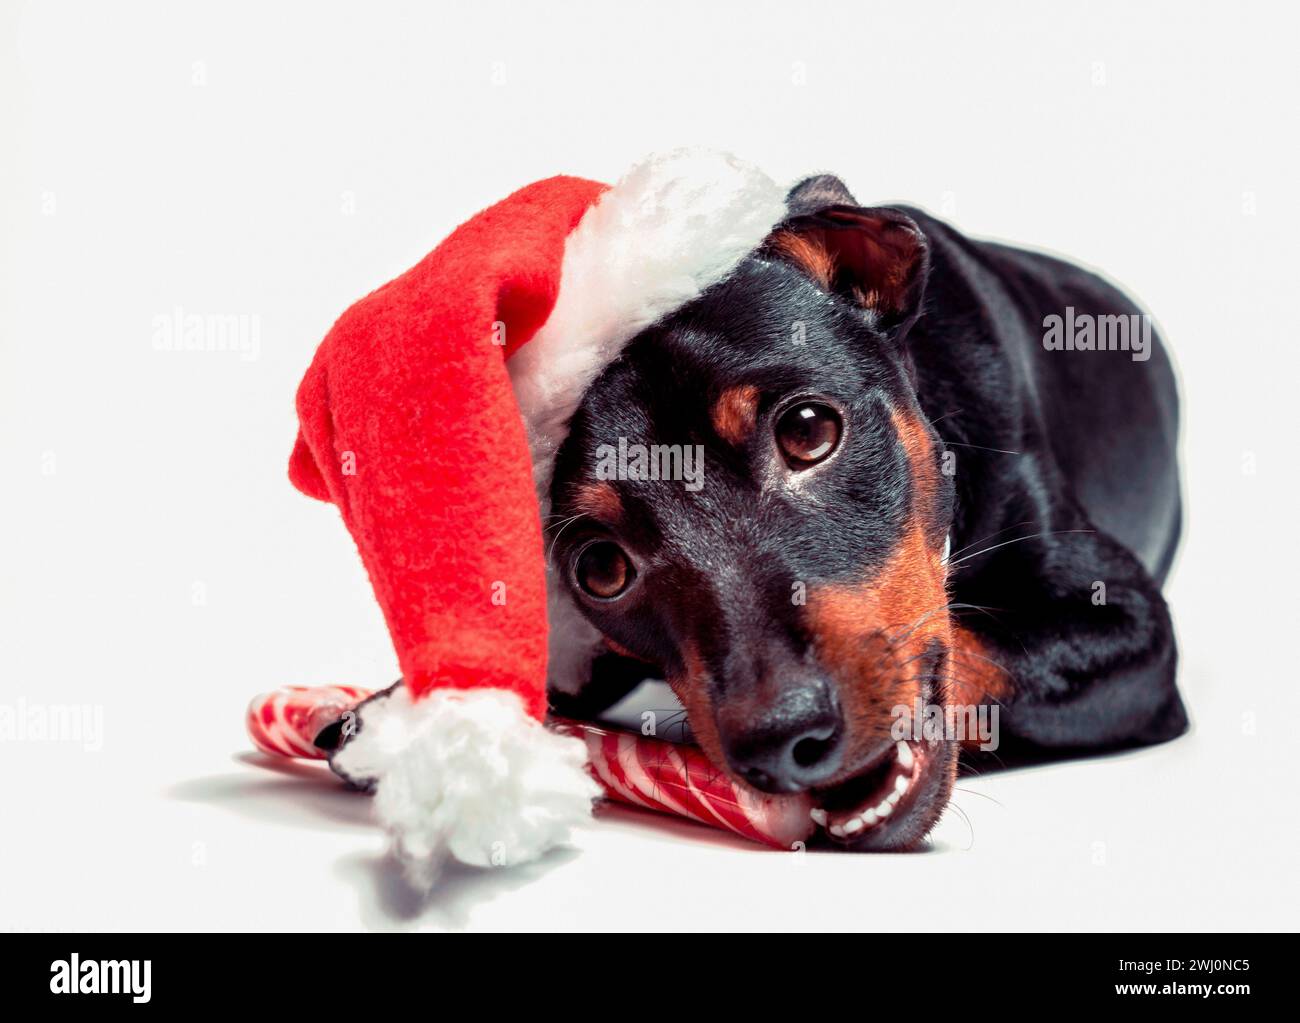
{"x": 1077, "y": 363}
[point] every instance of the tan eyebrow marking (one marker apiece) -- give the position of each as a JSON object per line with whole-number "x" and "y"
{"x": 735, "y": 413}
{"x": 600, "y": 501}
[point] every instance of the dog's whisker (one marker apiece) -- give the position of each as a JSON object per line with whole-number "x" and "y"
{"x": 983, "y": 609}
{"x": 987, "y": 660}
{"x": 954, "y": 681}
{"x": 982, "y": 795}
{"x": 940, "y": 419}
{"x": 1019, "y": 539}
{"x": 921, "y": 621}
{"x": 556, "y": 539}
{"x": 989, "y": 536}
{"x": 980, "y": 447}
{"x": 969, "y": 826}
{"x": 1002, "y": 764}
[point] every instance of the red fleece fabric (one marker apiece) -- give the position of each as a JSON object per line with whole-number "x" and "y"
{"x": 409, "y": 425}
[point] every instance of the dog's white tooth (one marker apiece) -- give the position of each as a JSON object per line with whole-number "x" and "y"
{"x": 853, "y": 826}
{"x": 818, "y": 816}
{"x": 885, "y": 809}
{"x": 837, "y": 831}
{"x": 869, "y": 818}
{"x": 902, "y": 784}
{"x": 905, "y": 758}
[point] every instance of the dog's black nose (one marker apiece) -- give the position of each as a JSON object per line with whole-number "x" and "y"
{"x": 787, "y": 744}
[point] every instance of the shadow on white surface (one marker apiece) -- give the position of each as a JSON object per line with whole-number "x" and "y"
{"x": 306, "y": 795}
{"x": 292, "y": 793}
{"x": 386, "y": 902}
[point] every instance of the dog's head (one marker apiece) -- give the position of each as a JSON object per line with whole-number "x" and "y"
{"x": 787, "y": 576}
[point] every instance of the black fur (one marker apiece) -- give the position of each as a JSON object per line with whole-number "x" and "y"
{"x": 1066, "y": 477}
{"x": 1092, "y": 468}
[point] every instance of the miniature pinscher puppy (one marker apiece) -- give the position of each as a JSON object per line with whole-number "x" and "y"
{"x": 910, "y": 493}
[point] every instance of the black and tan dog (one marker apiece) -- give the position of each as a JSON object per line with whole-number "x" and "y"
{"x": 870, "y": 390}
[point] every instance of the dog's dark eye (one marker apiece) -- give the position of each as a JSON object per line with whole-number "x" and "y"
{"x": 603, "y": 570}
{"x": 807, "y": 433}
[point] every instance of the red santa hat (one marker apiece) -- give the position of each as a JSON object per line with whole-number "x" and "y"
{"x": 431, "y": 416}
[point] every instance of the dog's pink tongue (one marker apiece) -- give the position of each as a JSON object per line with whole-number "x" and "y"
{"x": 681, "y": 780}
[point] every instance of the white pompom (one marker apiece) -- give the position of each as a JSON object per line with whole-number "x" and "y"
{"x": 468, "y": 774}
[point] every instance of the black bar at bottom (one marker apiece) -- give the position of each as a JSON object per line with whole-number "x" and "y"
{"x": 323, "y": 974}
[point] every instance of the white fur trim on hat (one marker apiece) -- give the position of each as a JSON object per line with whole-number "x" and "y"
{"x": 672, "y": 226}
{"x": 467, "y": 774}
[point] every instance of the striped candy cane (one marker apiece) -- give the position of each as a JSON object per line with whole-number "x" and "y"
{"x": 285, "y": 723}
{"x": 634, "y": 769}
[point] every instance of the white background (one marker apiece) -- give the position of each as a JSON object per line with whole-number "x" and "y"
{"x": 281, "y": 160}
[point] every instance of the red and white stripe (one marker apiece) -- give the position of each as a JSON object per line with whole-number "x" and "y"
{"x": 286, "y": 722}
{"x": 639, "y": 770}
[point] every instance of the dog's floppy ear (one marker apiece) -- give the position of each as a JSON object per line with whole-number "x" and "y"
{"x": 816, "y": 193}
{"x": 876, "y": 256}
